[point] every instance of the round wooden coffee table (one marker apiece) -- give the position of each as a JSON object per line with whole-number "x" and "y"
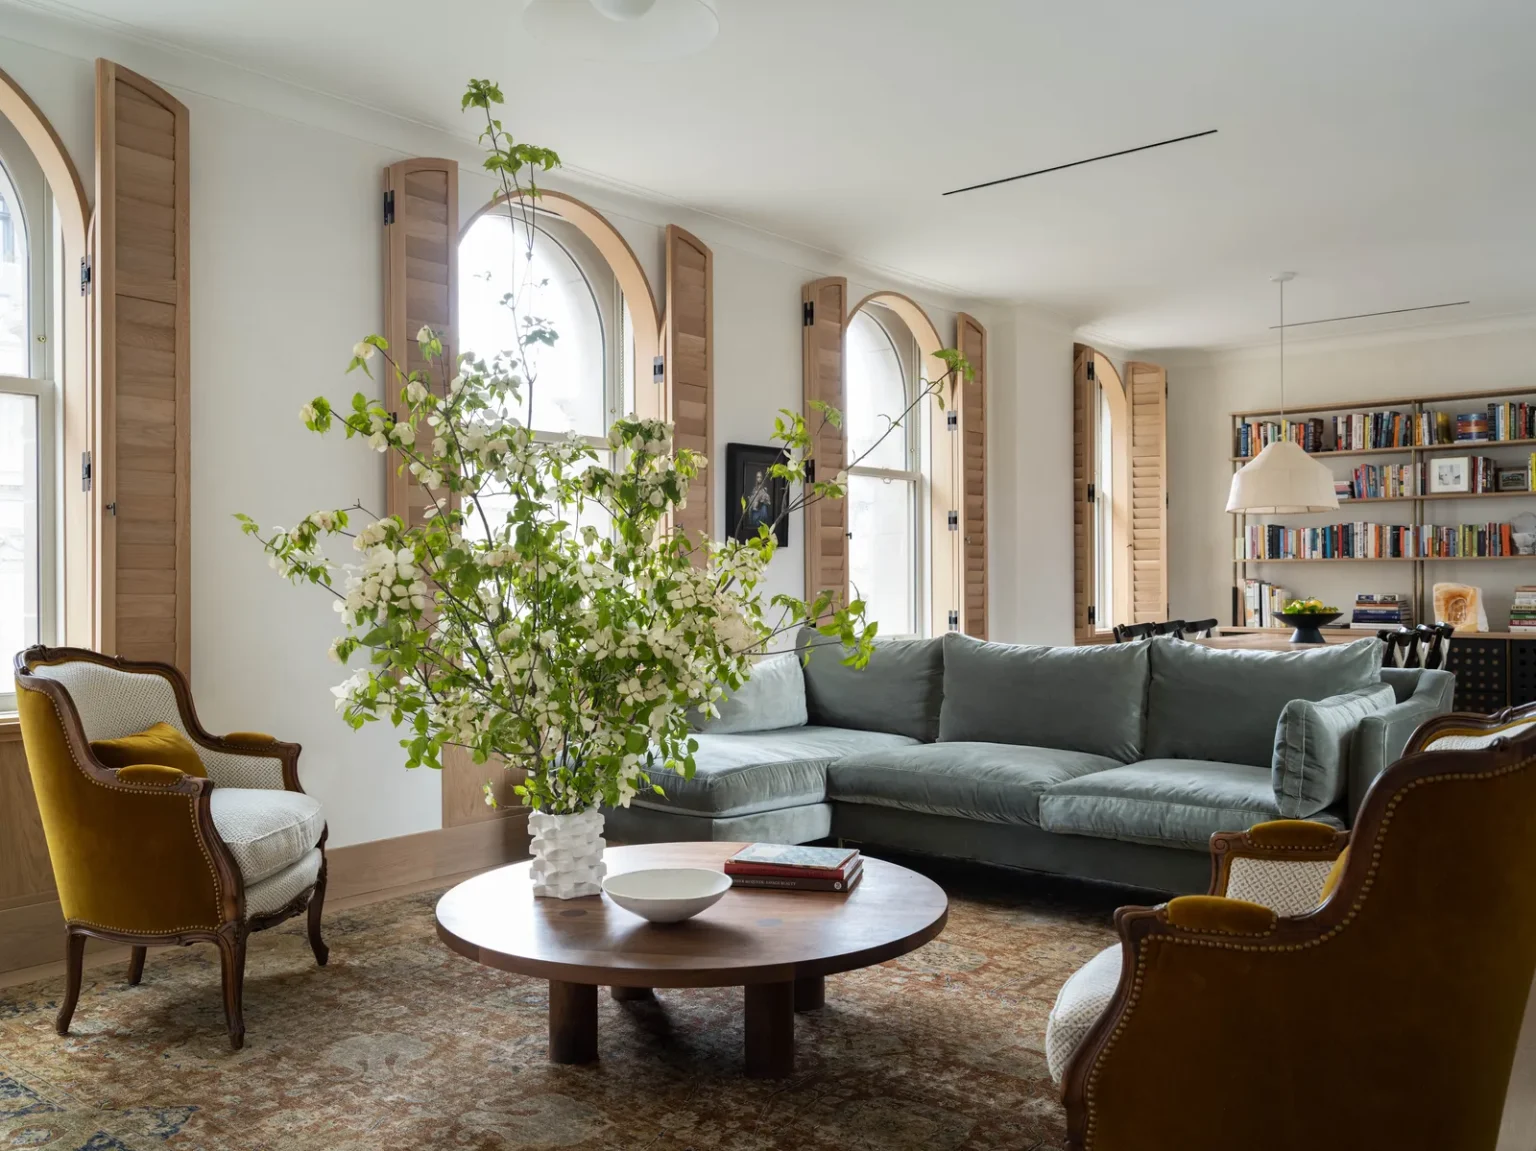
{"x": 779, "y": 945}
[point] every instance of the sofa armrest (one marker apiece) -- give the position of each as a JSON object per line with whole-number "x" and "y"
{"x": 1379, "y": 739}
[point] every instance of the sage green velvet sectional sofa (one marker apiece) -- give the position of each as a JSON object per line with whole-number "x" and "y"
{"x": 1114, "y": 763}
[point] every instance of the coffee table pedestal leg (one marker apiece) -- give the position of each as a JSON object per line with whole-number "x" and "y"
{"x": 572, "y": 1022}
{"x": 770, "y": 1030}
{"x": 810, "y": 993}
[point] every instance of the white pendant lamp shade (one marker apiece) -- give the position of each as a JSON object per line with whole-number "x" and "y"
{"x": 1282, "y": 480}
{"x": 623, "y": 29}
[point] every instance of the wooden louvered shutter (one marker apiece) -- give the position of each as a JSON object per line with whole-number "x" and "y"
{"x": 690, "y": 369}
{"x": 1148, "y": 393}
{"x": 1084, "y": 410}
{"x": 421, "y": 287}
{"x": 971, "y": 342}
{"x": 824, "y": 316}
{"x": 143, "y": 368}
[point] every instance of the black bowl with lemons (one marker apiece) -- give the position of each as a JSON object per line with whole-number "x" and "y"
{"x": 1308, "y": 617}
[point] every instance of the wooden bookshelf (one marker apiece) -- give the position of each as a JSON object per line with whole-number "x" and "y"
{"x": 1419, "y": 510}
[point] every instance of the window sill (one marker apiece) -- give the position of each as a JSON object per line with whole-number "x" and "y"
{"x": 10, "y": 726}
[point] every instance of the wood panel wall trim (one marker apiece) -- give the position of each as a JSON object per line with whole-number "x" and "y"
{"x": 824, "y": 320}
{"x": 1147, "y": 393}
{"x": 1082, "y": 476}
{"x": 421, "y": 288}
{"x": 143, "y": 350}
{"x": 971, "y": 342}
{"x": 689, "y": 359}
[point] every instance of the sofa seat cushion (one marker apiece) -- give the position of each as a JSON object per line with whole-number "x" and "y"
{"x": 1168, "y": 802}
{"x": 761, "y": 771}
{"x": 1082, "y": 999}
{"x": 265, "y": 830}
{"x": 991, "y": 782}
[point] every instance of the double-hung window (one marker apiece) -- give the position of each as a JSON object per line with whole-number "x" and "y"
{"x": 28, "y": 406}
{"x": 887, "y": 494}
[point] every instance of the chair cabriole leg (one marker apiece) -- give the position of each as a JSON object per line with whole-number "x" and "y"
{"x": 136, "y": 965}
{"x": 316, "y": 907}
{"x": 74, "y": 963}
{"x": 232, "y": 954}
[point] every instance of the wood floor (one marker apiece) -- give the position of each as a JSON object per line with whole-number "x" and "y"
{"x": 1518, "y": 1132}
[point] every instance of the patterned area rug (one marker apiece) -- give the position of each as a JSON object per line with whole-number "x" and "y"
{"x": 399, "y": 1043}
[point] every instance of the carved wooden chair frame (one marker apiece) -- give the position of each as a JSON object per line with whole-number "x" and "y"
{"x": 234, "y": 928}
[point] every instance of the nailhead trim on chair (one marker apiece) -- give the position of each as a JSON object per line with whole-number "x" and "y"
{"x": 1370, "y": 879}
{"x": 218, "y": 888}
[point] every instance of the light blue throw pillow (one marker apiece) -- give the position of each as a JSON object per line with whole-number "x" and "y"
{"x": 772, "y": 699}
{"x": 1310, "y": 771}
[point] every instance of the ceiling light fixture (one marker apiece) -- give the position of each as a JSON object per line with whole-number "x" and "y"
{"x": 623, "y": 29}
{"x": 1282, "y": 479}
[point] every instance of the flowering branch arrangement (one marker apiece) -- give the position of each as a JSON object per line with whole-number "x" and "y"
{"x": 543, "y": 610}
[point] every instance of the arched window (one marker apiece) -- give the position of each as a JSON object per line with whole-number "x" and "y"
{"x": 28, "y": 531}
{"x": 582, "y": 381}
{"x": 887, "y": 497}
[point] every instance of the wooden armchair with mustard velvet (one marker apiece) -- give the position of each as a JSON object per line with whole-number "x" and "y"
{"x": 1323, "y": 996}
{"x": 159, "y": 832}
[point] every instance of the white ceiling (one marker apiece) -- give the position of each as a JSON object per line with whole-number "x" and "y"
{"x": 1383, "y": 149}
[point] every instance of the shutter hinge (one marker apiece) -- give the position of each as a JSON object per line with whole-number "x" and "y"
{"x": 658, "y": 370}
{"x": 85, "y": 471}
{"x": 1091, "y": 613}
{"x": 85, "y": 275}
{"x": 954, "y": 521}
{"x": 954, "y": 620}
{"x": 389, "y": 207}
{"x": 810, "y": 472}
{"x": 952, "y": 421}
{"x": 1090, "y": 368}
{"x": 807, "y": 314}
{"x": 1092, "y": 494}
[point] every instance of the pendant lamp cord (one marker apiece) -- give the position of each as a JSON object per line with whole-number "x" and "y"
{"x": 1282, "y": 352}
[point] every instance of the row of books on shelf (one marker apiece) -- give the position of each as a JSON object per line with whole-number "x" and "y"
{"x": 1357, "y": 431}
{"x": 1473, "y": 475}
{"x": 1262, "y": 603}
{"x": 1522, "y": 616}
{"x": 1376, "y": 541}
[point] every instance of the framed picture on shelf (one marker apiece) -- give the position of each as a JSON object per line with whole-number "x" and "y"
{"x": 1514, "y": 479}
{"x": 752, "y": 496}
{"x": 1449, "y": 475}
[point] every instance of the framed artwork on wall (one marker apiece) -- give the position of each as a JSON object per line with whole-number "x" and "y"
{"x": 753, "y": 497}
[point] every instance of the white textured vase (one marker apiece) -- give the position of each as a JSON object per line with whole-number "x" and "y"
{"x": 567, "y": 853}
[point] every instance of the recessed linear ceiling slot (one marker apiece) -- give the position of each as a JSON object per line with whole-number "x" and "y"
{"x": 1368, "y": 315}
{"x": 1080, "y": 163}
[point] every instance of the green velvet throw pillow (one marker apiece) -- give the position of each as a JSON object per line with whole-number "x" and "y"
{"x": 1310, "y": 770}
{"x": 161, "y": 744}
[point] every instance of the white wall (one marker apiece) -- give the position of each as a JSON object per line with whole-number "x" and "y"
{"x": 286, "y": 276}
{"x": 1203, "y": 391}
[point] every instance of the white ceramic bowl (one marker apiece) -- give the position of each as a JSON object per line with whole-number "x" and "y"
{"x": 667, "y": 894}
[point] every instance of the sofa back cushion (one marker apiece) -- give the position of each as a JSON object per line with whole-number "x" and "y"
{"x": 1223, "y": 704}
{"x": 899, "y": 690}
{"x": 774, "y": 698}
{"x": 1089, "y": 699}
{"x": 1310, "y": 769}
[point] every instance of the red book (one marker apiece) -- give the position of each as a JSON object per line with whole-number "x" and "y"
{"x": 732, "y": 867}
{"x": 787, "y": 883}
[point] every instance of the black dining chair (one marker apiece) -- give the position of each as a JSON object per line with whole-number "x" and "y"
{"x": 1199, "y": 629}
{"x": 1435, "y": 642}
{"x": 1173, "y": 627}
{"x": 1402, "y": 646}
{"x": 1129, "y": 632}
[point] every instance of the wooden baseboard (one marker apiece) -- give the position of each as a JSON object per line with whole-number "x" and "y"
{"x": 34, "y": 933}
{"x": 365, "y": 867}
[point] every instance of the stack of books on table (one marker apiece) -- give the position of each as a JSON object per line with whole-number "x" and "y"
{"x": 791, "y": 867}
{"x": 1377, "y": 610}
{"x": 1522, "y": 616}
